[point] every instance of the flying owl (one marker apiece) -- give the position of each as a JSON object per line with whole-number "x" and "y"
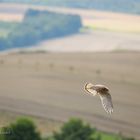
{"x": 103, "y": 93}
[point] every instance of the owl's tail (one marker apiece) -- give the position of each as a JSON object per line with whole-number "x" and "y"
{"x": 90, "y": 89}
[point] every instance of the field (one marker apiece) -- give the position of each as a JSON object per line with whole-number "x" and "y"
{"x": 11, "y": 17}
{"x": 91, "y": 41}
{"x": 50, "y": 86}
{"x": 91, "y": 18}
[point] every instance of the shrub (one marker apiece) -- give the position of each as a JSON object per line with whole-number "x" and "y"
{"x": 22, "y": 129}
{"x": 74, "y": 129}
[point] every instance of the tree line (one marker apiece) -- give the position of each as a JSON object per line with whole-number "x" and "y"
{"x": 40, "y": 25}
{"x": 74, "y": 129}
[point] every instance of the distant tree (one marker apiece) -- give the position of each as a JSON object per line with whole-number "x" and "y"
{"x": 23, "y": 129}
{"x": 75, "y": 129}
{"x": 24, "y": 36}
{"x": 40, "y": 25}
{"x": 4, "y": 43}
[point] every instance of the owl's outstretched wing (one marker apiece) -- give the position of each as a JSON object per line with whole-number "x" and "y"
{"x": 107, "y": 102}
{"x": 89, "y": 89}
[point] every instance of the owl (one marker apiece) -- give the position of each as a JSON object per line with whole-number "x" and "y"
{"x": 103, "y": 93}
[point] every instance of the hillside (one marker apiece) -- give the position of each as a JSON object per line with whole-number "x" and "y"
{"x": 125, "y": 6}
{"x": 50, "y": 85}
{"x": 31, "y": 31}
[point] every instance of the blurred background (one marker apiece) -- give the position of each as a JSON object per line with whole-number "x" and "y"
{"x": 49, "y": 49}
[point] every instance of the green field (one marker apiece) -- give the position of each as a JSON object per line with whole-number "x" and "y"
{"x": 106, "y": 136}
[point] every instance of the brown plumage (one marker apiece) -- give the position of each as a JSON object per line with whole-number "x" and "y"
{"x": 103, "y": 93}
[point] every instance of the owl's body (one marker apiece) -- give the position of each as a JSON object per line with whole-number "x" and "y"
{"x": 104, "y": 94}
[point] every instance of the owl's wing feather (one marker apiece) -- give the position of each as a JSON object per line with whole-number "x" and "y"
{"x": 107, "y": 102}
{"x": 90, "y": 90}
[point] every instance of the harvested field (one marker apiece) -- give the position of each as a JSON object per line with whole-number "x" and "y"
{"x": 51, "y": 86}
{"x": 11, "y": 17}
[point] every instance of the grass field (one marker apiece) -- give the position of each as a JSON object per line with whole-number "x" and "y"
{"x": 106, "y": 136}
{"x": 51, "y": 86}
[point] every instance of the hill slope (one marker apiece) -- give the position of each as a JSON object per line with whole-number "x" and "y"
{"x": 126, "y": 6}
